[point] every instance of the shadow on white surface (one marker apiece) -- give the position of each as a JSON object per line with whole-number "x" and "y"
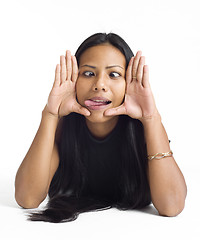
{"x": 7, "y": 198}
{"x": 149, "y": 210}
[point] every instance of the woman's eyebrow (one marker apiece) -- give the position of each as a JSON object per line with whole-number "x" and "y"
{"x": 114, "y": 66}
{"x": 86, "y": 65}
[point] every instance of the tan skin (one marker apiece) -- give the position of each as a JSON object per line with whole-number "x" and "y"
{"x": 103, "y": 76}
{"x": 167, "y": 184}
{"x": 113, "y": 83}
{"x": 130, "y": 94}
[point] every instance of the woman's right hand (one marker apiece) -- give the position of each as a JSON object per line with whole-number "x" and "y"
{"x": 62, "y": 98}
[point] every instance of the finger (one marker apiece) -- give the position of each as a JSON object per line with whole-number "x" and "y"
{"x": 135, "y": 63}
{"x": 63, "y": 69}
{"x": 74, "y": 69}
{"x": 145, "y": 79}
{"x": 57, "y": 76}
{"x": 115, "y": 111}
{"x": 84, "y": 111}
{"x": 68, "y": 65}
{"x": 140, "y": 69}
{"x": 129, "y": 71}
{"x": 81, "y": 110}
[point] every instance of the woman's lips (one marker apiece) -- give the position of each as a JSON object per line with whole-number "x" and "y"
{"x": 96, "y": 105}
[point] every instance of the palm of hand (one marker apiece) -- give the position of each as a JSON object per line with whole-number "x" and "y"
{"x": 139, "y": 102}
{"x": 62, "y": 96}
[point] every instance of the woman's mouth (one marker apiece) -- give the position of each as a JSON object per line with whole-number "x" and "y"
{"x": 97, "y": 104}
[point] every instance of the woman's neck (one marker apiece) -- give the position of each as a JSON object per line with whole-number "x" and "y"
{"x": 101, "y": 130}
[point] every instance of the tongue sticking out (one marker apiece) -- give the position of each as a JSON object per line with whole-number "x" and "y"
{"x": 93, "y": 103}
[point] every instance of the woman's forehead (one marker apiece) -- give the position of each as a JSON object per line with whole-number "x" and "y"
{"x": 104, "y": 54}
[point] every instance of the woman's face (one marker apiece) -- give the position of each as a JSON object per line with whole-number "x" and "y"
{"x": 102, "y": 72}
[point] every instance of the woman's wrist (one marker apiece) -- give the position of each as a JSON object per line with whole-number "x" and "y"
{"x": 46, "y": 112}
{"x": 156, "y": 117}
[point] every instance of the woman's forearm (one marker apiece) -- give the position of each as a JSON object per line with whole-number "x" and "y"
{"x": 33, "y": 174}
{"x": 167, "y": 184}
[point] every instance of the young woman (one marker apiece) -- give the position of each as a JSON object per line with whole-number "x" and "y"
{"x": 101, "y": 142}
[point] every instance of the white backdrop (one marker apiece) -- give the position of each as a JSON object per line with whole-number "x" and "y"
{"x": 33, "y": 36}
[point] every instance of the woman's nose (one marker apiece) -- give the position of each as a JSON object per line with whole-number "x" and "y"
{"x": 100, "y": 84}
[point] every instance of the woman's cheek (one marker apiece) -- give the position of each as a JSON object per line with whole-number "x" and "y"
{"x": 121, "y": 92}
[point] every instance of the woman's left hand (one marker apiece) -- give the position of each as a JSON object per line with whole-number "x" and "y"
{"x": 139, "y": 101}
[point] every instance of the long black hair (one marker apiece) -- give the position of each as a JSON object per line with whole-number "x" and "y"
{"x": 66, "y": 200}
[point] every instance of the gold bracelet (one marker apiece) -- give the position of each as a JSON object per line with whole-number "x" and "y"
{"x": 162, "y": 155}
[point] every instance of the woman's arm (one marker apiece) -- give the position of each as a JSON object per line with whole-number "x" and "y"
{"x": 167, "y": 184}
{"x": 39, "y": 165}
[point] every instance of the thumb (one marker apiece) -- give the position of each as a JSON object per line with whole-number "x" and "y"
{"x": 81, "y": 110}
{"x": 115, "y": 111}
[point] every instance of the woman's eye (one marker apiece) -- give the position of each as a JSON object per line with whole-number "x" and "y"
{"x": 88, "y": 74}
{"x": 114, "y": 74}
